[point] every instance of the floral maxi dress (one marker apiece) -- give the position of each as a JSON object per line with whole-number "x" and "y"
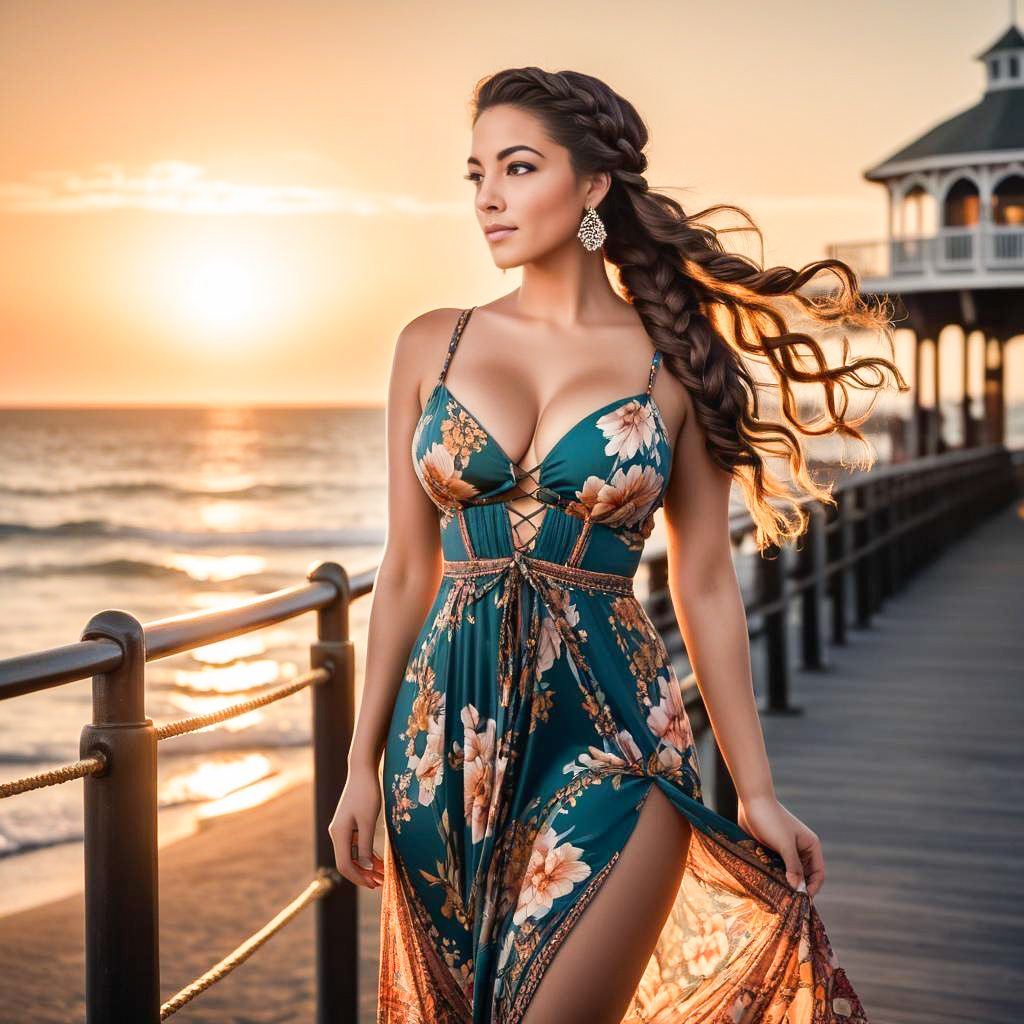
{"x": 538, "y": 709}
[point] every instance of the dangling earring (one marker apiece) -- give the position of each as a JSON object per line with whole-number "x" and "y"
{"x": 591, "y": 233}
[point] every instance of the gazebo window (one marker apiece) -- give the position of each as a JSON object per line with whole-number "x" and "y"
{"x": 1008, "y": 201}
{"x": 1014, "y": 66}
{"x": 993, "y": 67}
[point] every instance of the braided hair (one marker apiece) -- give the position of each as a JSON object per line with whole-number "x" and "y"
{"x": 704, "y": 307}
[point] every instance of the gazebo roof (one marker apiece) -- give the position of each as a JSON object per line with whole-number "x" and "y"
{"x": 1011, "y": 39}
{"x": 994, "y": 124}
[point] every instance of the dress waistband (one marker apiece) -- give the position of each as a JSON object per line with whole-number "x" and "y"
{"x": 573, "y": 574}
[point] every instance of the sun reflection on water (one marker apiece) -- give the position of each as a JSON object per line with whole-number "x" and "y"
{"x": 216, "y": 568}
{"x": 213, "y": 780}
{"x": 233, "y": 678}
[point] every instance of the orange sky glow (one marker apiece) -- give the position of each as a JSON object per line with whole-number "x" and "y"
{"x": 243, "y": 202}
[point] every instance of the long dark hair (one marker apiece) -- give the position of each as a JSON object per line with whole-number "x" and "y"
{"x": 704, "y": 307}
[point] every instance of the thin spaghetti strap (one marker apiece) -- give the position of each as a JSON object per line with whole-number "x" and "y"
{"x": 456, "y": 334}
{"x": 655, "y": 363}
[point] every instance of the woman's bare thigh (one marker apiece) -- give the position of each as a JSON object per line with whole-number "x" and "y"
{"x": 596, "y": 971}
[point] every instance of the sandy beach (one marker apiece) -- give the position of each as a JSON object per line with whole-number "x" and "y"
{"x": 216, "y": 888}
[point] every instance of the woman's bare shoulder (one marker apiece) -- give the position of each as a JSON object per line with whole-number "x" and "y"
{"x": 429, "y": 330}
{"x": 422, "y": 344}
{"x": 430, "y": 322}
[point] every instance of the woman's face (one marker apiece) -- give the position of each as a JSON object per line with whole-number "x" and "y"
{"x": 525, "y": 181}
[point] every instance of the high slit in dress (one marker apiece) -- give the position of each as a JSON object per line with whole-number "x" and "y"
{"x": 538, "y": 710}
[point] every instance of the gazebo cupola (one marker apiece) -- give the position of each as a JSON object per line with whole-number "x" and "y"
{"x": 1004, "y": 61}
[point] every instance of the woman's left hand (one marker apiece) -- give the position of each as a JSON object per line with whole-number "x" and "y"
{"x": 770, "y": 823}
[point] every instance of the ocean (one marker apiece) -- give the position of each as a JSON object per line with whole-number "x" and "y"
{"x": 160, "y": 511}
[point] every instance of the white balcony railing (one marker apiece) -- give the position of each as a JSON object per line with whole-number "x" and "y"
{"x": 1006, "y": 247}
{"x": 973, "y": 250}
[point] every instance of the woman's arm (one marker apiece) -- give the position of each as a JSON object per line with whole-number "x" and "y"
{"x": 406, "y": 583}
{"x": 708, "y": 603}
{"x": 410, "y": 566}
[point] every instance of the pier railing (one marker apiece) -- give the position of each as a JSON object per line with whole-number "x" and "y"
{"x": 885, "y": 526}
{"x": 977, "y": 249}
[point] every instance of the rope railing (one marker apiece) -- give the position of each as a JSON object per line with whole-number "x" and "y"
{"x": 326, "y": 880}
{"x": 886, "y": 525}
{"x": 96, "y": 764}
{"x": 195, "y": 722}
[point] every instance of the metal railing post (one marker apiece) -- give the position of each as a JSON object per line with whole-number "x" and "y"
{"x": 659, "y": 600}
{"x": 773, "y": 598}
{"x": 897, "y": 545}
{"x": 839, "y": 547}
{"x": 883, "y": 533}
{"x": 122, "y": 960}
{"x": 811, "y": 558}
{"x": 914, "y": 537}
{"x": 865, "y": 561}
{"x": 726, "y": 797}
{"x": 337, "y": 946}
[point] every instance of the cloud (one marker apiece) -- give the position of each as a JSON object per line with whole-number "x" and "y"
{"x": 174, "y": 186}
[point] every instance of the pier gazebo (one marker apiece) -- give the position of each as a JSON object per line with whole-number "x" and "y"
{"x": 955, "y": 251}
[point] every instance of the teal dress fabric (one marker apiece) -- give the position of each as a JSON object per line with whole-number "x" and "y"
{"x": 538, "y": 710}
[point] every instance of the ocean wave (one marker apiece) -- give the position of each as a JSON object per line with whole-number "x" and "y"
{"x": 213, "y": 741}
{"x": 133, "y": 487}
{"x": 111, "y": 567}
{"x": 102, "y": 528}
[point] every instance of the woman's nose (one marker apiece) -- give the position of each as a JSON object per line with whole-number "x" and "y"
{"x": 488, "y": 199}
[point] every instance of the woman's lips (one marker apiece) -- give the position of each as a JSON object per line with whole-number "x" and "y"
{"x": 499, "y": 233}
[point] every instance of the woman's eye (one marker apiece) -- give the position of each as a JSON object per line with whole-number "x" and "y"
{"x": 475, "y": 175}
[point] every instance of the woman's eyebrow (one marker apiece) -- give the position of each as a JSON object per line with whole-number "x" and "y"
{"x": 504, "y": 153}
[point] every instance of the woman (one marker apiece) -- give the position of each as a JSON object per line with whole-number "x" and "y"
{"x": 532, "y": 725}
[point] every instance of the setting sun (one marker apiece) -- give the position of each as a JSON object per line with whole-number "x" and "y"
{"x": 222, "y": 293}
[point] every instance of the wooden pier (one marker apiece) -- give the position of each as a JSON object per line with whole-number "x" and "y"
{"x": 908, "y": 762}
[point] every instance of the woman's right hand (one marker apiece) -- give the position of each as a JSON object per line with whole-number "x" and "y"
{"x": 353, "y": 825}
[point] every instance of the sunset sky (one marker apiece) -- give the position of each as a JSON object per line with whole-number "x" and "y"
{"x": 242, "y": 201}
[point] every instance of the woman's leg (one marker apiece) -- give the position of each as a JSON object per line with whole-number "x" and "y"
{"x": 596, "y": 970}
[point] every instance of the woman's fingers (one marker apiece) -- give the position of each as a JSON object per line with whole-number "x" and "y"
{"x": 344, "y": 848}
{"x": 347, "y": 856}
{"x": 372, "y": 877}
{"x": 378, "y": 868}
{"x": 362, "y": 841}
{"x": 814, "y": 864}
{"x": 352, "y": 830}
{"x": 794, "y": 866}
{"x": 809, "y": 866}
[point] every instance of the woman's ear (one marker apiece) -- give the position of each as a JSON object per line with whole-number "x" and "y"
{"x": 600, "y": 183}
